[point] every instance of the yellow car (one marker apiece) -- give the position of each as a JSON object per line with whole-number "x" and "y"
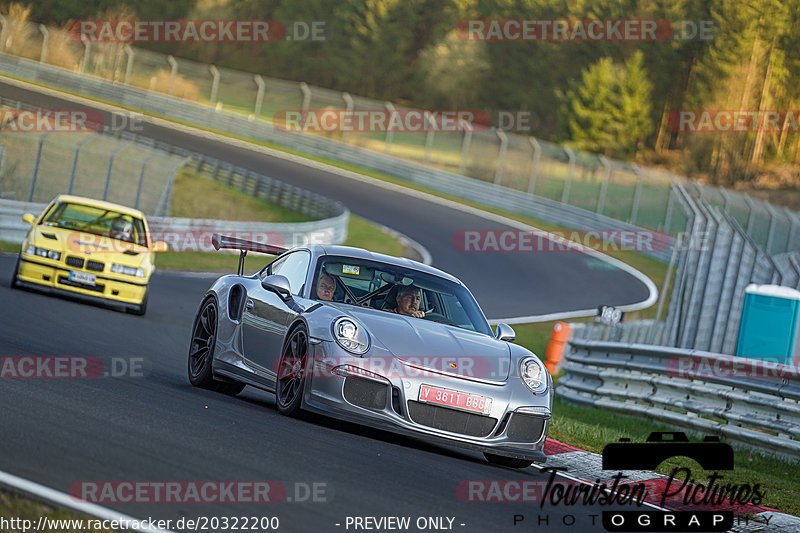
{"x": 91, "y": 249}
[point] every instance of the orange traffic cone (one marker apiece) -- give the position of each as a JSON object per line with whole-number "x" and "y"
{"x": 555, "y": 348}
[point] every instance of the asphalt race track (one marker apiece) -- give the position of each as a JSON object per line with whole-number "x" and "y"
{"x": 151, "y": 425}
{"x": 508, "y": 284}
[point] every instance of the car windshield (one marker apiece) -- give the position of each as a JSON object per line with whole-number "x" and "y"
{"x": 373, "y": 284}
{"x": 97, "y": 221}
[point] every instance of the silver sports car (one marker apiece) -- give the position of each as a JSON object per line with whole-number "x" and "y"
{"x": 376, "y": 340}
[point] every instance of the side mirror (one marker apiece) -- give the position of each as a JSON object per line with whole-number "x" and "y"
{"x": 504, "y": 332}
{"x": 160, "y": 246}
{"x": 29, "y": 218}
{"x": 279, "y": 285}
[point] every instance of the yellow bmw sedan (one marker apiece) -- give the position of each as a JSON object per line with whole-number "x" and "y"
{"x": 95, "y": 250}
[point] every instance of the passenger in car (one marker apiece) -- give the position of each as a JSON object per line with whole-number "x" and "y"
{"x": 326, "y": 286}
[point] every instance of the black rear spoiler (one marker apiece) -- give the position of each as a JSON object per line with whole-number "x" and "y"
{"x": 223, "y": 242}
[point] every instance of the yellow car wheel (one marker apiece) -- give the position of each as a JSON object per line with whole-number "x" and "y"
{"x": 14, "y": 284}
{"x": 141, "y": 309}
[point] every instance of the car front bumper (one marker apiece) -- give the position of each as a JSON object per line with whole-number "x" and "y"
{"x": 49, "y": 276}
{"x": 515, "y": 427}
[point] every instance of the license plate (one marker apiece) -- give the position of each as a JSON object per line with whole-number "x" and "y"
{"x": 82, "y": 277}
{"x": 455, "y": 399}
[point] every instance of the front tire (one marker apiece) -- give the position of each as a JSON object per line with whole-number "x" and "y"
{"x": 14, "y": 284}
{"x": 201, "y": 351}
{"x": 141, "y": 309}
{"x": 510, "y": 462}
{"x": 291, "y": 377}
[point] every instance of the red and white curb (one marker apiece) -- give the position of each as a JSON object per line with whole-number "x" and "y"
{"x": 588, "y": 466}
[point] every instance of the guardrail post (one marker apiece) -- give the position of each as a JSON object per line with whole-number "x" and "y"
{"x": 349, "y": 105}
{"x": 173, "y": 74}
{"x": 637, "y": 193}
{"x": 389, "y": 133}
{"x": 3, "y": 28}
{"x": 36, "y": 165}
{"x": 129, "y": 67}
{"x": 141, "y": 178}
{"x": 45, "y": 42}
{"x": 501, "y": 157}
{"x": 259, "y": 94}
{"x": 111, "y": 166}
{"x": 570, "y": 169}
{"x": 601, "y": 200}
{"x": 214, "y": 84}
{"x": 78, "y": 148}
{"x": 306, "y": 92}
{"x": 537, "y": 155}
{"x": 751, "y": 205}
{"x": 167, "y": 195}
{"x": 727, "y": 197}
{"x": 465, "y": 143}
{"x": 428, "y": 144}
{"x": 792, "y": 228}
{"x": 86, "y": 51}
{"x": 771, "y": 231}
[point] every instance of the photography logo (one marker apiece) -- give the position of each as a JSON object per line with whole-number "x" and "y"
{"x": 712, "y": 498}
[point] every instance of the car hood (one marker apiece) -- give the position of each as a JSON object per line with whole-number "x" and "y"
{"x": 435, "y": 346}
{"x": 72, "y": 242}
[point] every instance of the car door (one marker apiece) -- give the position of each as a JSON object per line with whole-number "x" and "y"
{"x": 267, "y": 317}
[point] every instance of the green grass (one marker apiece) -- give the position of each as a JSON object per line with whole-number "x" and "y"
{"x": 196, "y": 196}
{"x": 591, "y": 429}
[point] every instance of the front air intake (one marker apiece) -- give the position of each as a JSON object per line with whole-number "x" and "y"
{"x": 366, "y": 393}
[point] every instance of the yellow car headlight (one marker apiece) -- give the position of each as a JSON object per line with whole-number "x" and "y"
{"x": 127, "y": 270}
{"x": 42, "y": 252}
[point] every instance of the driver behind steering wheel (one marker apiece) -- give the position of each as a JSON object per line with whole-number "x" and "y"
{"x": 408, "y": 300}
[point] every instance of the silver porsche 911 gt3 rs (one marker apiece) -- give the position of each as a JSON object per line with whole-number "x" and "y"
{"x": 376, "y": 340}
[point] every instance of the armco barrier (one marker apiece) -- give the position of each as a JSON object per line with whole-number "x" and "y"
{"x": 193, "y": 234}
{"x": 753, "y": 402}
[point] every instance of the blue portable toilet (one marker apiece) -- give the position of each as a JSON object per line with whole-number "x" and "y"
{"x": 770, "y": 323}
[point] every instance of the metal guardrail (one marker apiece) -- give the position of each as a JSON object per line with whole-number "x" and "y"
{"x": 753, "y": 402}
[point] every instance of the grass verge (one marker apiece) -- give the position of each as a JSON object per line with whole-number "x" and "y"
{"x": 197, "y": 196}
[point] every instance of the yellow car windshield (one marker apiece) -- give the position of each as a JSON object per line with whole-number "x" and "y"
{"x": 97, "y": 221}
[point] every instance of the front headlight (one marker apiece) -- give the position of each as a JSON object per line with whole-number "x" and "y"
{"x": 533, "y": 374}
{"x": 350, "y": 336}
{"x": 41, "y": 252}
{"x": 130, "y": 271}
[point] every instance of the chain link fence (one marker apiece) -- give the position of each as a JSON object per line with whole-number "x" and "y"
{"x": 37, "y": 166}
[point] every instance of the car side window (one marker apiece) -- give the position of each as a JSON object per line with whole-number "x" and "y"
{"x": 295, "y": 267}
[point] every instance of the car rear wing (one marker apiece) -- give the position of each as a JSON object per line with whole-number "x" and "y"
{"x": 224, "y": 242}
